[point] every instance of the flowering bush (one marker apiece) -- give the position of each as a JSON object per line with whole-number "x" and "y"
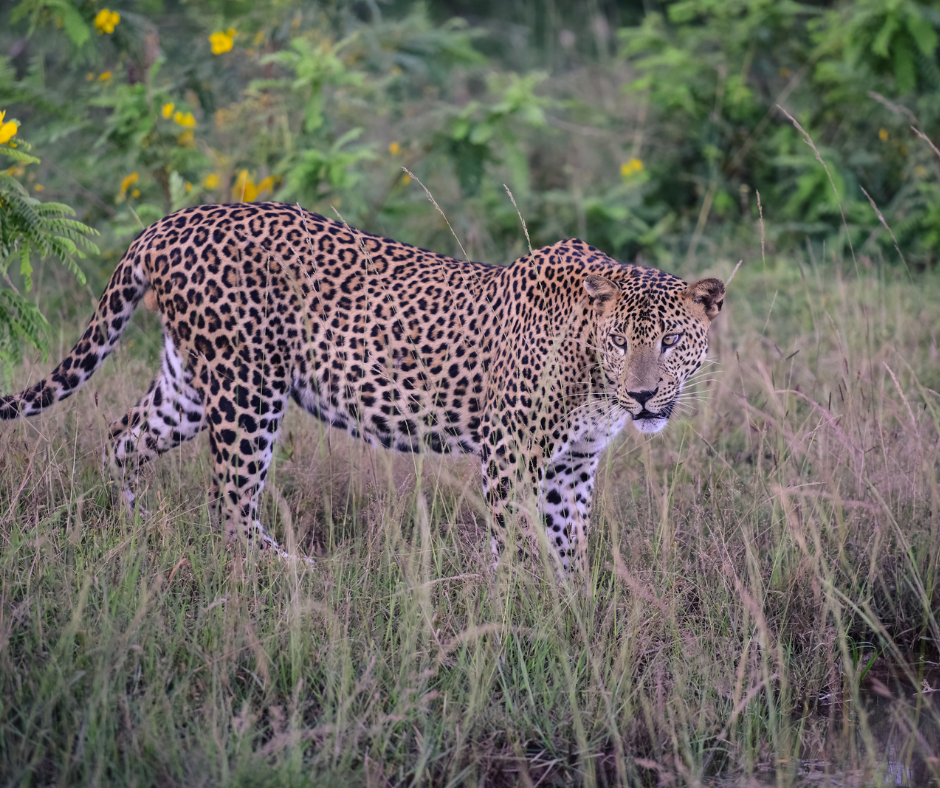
{"x": 326, "y": 107}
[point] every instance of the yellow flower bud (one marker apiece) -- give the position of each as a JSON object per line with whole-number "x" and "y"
{"x": 186, "y": 120}
{"x": 221, "y": 43}
{"x": 630, "y": 167}
{"x": 128, "y": 181}
{"x": 106, "y": 20}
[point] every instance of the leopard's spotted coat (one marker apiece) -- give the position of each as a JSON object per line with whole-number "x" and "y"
{"x": 533, "y": 367}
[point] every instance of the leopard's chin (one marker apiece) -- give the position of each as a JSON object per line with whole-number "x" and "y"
{"x": 650, "y": 425}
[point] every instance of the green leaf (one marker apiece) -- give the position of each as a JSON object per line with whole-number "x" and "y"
{"x": 923, "y": 33}
{"x": 74, "y": 24}
{"x": 882, "y": 42}
{"x": 904, "y": 71}
{"x": 26, "y": 270}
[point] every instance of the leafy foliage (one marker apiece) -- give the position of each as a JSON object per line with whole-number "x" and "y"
{"x": 649, "y": 140}
{"x": 715, "y": 72}
{"x": 30, "y": 228}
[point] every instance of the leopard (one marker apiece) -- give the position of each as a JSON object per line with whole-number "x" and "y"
{"x": 533, "y": 367}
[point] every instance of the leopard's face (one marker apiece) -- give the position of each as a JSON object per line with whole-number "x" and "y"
{"x": 652, "y": 336}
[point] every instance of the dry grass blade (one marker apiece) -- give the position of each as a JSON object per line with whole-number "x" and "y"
{"x": 439, "y": 209}
{"x": 884, "y": 224}
{"x": 809, "y": 141}
{"x": 926, "y": 139}
{"x": 760, "y": 216}
{"x": 897, "y": 109}
{"x": 524, "y": 228}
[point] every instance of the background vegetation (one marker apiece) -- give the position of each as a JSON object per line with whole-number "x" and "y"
{"x": 758, "y": 571}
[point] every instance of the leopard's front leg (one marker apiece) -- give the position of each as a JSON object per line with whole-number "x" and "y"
{"x": 565, "y": 502}
{"x": 565, "y": 491}
{"x": 510, "y": 490}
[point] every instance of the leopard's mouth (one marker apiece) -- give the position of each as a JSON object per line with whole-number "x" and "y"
{"x": 651, "y": 422}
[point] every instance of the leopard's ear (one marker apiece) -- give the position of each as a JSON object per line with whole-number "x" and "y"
{"x": 601, "y": 289}
{"x": 710, "y": 293}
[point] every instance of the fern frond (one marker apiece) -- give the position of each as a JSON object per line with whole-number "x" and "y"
{"x": 17, "y": 155}
{"x": 55, "y": 209}
{"x": 31, "y": 228}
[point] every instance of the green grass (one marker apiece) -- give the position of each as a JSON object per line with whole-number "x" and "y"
{"x": 747, "y": 562}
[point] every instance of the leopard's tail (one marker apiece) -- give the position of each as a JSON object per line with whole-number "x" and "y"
{"x": 117, "y": 305}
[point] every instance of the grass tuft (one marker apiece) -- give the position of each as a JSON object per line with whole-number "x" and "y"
{"x": 761, "y": 598}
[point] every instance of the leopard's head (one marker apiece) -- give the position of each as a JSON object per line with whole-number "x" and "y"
{"x": 652, "y": 336}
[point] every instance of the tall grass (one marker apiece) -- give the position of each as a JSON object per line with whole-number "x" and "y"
{"x": 754, "y": 571}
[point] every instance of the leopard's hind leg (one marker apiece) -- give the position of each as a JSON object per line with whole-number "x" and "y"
{"x": 244, "y": 409}
{"x": 170, "y": 413}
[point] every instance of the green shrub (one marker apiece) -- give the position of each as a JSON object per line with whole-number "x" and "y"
{"x": 854, "y": 75}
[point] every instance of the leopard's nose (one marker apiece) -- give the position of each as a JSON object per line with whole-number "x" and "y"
{"x": 643, "y": 396}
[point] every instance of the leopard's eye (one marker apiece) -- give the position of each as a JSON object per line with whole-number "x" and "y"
{"x": 671, "y": 339}
{"x": 618, "y": 340}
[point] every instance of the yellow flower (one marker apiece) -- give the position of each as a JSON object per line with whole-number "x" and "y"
{"x": 129, "y": 180}
{"x": 104, "y": 76}
{"x": 221, "y": 42}
{"x": 167, "y": 110}
{"x": 7, "y": 130}
{"x": 39, "y": 187}
{"x": 106, "y": 20}
{"x": 266, "y": 185}
{"x": 920, "y": 171}
{"x": 883, "y": 135}
{"x": 189, "y": 186}
{"x": 259, "y": 37}
{"x": 211, "y": 181}
{"x": 135, "y": 194}
{"x": 89, "y": 76}
{"x": 244, "y": 189}
{"x": 631, "y": 167}
{"x": 231, "y": 32}
{"x": 393, "y": 148}
{"x": 405, "y": 179}
{"x": 186, "y": 120}
{"x": 186, "y": 139}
